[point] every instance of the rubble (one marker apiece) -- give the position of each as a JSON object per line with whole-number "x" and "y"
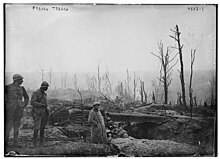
{"x": 152, "y": 148}
{"x": 68, "y": 126}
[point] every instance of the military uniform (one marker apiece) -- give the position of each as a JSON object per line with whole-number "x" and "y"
{"x": 98, "y": 131}
{"x": 39, "y": 113}
{"x": 15, "y": 105}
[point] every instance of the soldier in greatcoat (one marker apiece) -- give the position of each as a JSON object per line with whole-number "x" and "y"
{"x": 39, "y": 112}
{"x": 16, "y": 99}
{"x": 98, "y": 131}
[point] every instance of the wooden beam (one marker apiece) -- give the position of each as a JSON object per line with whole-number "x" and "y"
{"x": 137, "y": 118}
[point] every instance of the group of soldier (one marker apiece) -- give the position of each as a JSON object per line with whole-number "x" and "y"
{"x": 16, "y": 99}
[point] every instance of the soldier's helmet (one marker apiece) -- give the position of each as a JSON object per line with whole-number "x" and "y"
{"x": 96, "y": 104}
{"x": 17, "y": 77}
{"x": 44, "y": 84}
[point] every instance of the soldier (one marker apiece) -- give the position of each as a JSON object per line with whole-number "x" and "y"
{"x": 39, "y": 112}
{"x": 16, "y": 99}
{"x": 98, "y": 131}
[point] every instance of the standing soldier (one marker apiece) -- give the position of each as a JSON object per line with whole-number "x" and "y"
{"x": 39, "y": 112}
{"x": 16, "y": 99}
{"x": 98, "y": 131}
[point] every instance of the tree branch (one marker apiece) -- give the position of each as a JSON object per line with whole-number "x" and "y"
{"x": 193, "y": 56}
{"x": 108, "y": 98}
{"x": 173, "y": 65}
{"x": 168, "y": 84}
{"x": 181, "y": 47}
{"x": 169, "y": 74}
{"x": 173, "y": 37}
{"x": 174, "y": 47}
{"x": 156, "y": 56}
{"x": 173, "y": 57}
{"x": 79, "y": 94}
{"x": 173, "y": 31}
{"x": 160, "y": 80}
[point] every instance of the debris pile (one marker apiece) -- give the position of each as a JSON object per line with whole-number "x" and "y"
{"x": 143, "y": 147}
{"x": 59, "y": 116}
{"x": 67, "y": 112}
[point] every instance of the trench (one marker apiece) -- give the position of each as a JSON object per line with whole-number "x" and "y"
{"x": 145, "y": 130}
{"x": 182, "y": 132}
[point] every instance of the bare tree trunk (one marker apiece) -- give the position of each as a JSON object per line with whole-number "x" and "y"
{"x": 128, "y": 82}
{"x": 182, "y": 69}
{"x": 99, "y": 80}
{"x": 145, "y": 96}
{"x": 142, "y": 91}
{"x": 165, "y": 87}
{"x": 177, "y": 38}
{"x": 62, "y": 83}
{"x": 135, "y": 86}
{"x": 55, "y": 84}
{"x": 125, "y": 88}
{"x": 153, "y": 98}
{"x": 65, "y": 80}
{"x": 166, "y": 70}
{"x": 121, "y": 90}
{"x": 42, "y": 75}
{"x": 155, "y": 91}
{"x": 94, "y": 83}
{"x": 195, "y": 101}
{"x": 190, "y": 83}
{"x": 75, "y": 81}
{"x": 108, "y": 83}
{"x": 79, "y": 94}
{"x": 179, "y": 99}
{"x": 50, "y": 78}
{"x": 142, "y": 97}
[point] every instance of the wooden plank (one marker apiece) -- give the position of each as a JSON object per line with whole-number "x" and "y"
{"x": 122, "y": 117}
{"x": 137, "y": 118}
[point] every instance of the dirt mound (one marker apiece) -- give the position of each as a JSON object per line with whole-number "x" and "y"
{"x": 143, "y": 147}
{"x": 192, "y": 132}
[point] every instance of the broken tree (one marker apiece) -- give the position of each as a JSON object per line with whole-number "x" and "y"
{"x": 190, "y": 83}
{"x": 166, "y": 70}
{"x": 176, "y": 37}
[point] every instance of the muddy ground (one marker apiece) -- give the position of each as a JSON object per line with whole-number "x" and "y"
{"x": 58, "y": 144}
{"x": 68, "y": 134}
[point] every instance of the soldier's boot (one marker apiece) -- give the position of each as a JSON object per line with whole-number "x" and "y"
{"x": 42, "y": 137}
{"x": 35, "y": 138}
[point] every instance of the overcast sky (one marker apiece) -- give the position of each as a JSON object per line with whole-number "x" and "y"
{"x": 117, "y": 37}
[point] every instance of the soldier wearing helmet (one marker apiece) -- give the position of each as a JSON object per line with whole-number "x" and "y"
{"x": 98, "y": 131}
{"x": 16, "y": 99}
{"x": 39, "y": 112}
